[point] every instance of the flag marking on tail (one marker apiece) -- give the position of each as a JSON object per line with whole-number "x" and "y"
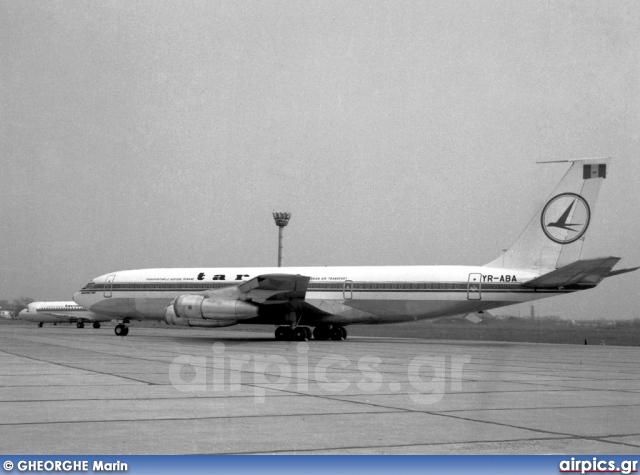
{"x": 594, "y": 171}
{"x": 565, "y": 218}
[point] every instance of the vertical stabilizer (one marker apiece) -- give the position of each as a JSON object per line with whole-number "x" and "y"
{"x": 555, "y": 235}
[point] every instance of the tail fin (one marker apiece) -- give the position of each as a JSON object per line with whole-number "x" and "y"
{"x": 555, "y": 235}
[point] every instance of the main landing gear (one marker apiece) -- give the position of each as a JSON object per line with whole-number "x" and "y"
{"x": 40, "y": 325}
{"x": 81, "y": 324}
{"x": 330, "y": 332}
{"x": 293, "y": 334}
{"x": 321, "y": 332}
{"x": 121, "y": 330}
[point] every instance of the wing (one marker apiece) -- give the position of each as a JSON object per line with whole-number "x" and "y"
{"x": 281, "y": 293}
{"x": 73, "y": 317}
{"x": 272, "y": 289}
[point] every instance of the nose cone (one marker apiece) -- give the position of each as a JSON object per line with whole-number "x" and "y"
{"x": 81, "y": 300}
{"x": 22, "y": 313}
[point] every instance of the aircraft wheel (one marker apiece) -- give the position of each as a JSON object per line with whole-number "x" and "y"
{"x": 282, "y": 333}
{"x": 300, "y": 334}
{"x": 125, "y": 332}
{"x": 119, "y": 329}
{"x": 344, "y": 332}
{"x": 80, "y": 325}
{"x": 336, "y": 333}
{"x": 96, "y": 324}
{"x": 309, "y": 333}
{"x": 321, "y": 332}
{"x": 40, "y": 325}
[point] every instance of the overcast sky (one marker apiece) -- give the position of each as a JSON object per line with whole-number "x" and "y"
{"x": 165, "y": 133}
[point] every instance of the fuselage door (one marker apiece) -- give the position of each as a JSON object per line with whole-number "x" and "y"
{"x": 347, "y": 290}
{"x": 108, "y": 285}
{"x": 474, "y": 287}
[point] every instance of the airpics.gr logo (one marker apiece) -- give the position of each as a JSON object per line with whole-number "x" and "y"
{"x": 565, "y": 218}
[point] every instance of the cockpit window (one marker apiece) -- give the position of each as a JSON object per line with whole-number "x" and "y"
{"x": 89, "y": 285}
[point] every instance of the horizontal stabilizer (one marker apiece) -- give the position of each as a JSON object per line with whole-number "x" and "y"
{"x": 587, "y": 271}
{"x": 621, "y": 271}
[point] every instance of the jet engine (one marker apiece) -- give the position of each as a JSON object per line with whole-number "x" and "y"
{"x": 171, "y": 318}
{"x": 197, "y": 306}
{"x": 197, "y": 310}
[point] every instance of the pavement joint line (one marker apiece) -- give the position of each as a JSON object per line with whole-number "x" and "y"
{"x": 270, "y": 396}
{"x": 343, "y": 370}
{"x": 146, "y": 359}
{"x": 429, "y": 444}
{"x": 543, "y": 382}
{"x": 164, "y": 419}
{"x": 501, "y": 424}
{"x": 562, "y": 388}
{"x": 495, "y": 362}
{"x": 537, "y": 383}
{"x": 81, "y": 369}
{"x": 197, "y": 396}
{"x": 546, "y": 408}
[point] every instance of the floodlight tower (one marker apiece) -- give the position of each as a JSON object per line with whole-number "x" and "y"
{"x": 281, "y": 219}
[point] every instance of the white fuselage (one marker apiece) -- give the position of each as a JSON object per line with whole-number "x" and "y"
{"x": 344, "y": 295}
{"x": 58, "y": 312}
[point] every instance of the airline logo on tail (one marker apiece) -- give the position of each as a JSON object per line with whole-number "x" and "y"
{"x": 565, "y": 218}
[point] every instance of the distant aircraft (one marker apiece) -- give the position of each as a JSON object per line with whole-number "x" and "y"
{"x": 60, "y": 312}
{"x": 543, "y": 262}
{"x": 6, "y": 314}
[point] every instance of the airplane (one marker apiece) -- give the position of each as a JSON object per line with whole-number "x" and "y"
{"x": 545, "y": 261}
{"x": 60, "y": 312}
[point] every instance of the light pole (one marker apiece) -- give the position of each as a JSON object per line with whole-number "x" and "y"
{"x": 281, "y": 219}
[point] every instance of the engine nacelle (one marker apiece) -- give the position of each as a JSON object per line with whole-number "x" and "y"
{"x": 199, "y": 307}
{"x": 171, "y": 318}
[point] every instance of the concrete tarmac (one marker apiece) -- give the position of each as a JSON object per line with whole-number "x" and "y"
{"x": 65, "y": 390}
